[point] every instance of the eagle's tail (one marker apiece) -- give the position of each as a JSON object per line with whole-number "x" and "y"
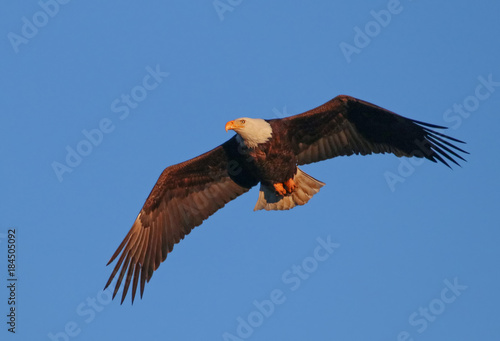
{"x": 307, "y": 186}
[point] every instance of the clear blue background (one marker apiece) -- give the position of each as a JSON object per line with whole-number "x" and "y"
{"x": 262, "y": 59}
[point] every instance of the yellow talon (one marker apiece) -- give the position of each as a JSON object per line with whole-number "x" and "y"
{"x": 290, "y": 185}
{"x": 286, "y": 187}
{"x": 279, "y": 188}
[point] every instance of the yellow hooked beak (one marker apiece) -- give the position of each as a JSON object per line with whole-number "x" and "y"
{"x": 233, "y": 125}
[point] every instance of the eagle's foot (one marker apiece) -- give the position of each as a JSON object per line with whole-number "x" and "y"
{"x": 290, "y": 185}
{"x": 285, "y": 188}
{"x": 280, "y": 190}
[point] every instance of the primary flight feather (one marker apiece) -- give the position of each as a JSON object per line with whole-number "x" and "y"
{"x": 266, "y": 152}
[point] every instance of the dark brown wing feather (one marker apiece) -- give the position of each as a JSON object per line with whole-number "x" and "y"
{"x": 346, "y": 125}
{"x": 184, "y": 195}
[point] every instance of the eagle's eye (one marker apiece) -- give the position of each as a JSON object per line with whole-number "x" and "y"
{"x": 242, "y": 121}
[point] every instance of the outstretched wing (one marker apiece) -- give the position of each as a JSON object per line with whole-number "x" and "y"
{"x": 346, "y": 125}
{"x": 184, "y": 195}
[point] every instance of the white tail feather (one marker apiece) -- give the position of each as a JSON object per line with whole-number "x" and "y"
{"x": 307, "y": 186}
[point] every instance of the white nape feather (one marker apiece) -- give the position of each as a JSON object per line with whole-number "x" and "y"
{"x": 253, "y": 132}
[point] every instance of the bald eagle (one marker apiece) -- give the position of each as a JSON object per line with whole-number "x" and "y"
{"x": 266, "y": 152}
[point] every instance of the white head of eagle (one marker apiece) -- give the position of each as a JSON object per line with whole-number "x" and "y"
{"x": 251, "y": 131}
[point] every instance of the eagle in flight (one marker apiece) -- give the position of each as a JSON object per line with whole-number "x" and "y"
{"x": 266, "y": 152}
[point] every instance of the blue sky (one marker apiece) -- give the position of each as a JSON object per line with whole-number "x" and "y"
{"x": 98, "y": 98}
